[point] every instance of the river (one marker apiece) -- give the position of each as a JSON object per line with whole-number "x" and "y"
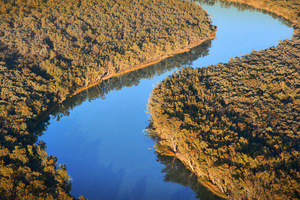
{"x": 100, "y": 133}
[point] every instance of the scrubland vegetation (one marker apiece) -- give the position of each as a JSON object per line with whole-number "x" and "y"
{"x": 237, "y": 125}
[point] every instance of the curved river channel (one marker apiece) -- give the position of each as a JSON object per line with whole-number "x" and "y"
{"x": 103, "y": 141}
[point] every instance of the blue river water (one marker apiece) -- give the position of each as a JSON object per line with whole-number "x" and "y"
{"x": 103, "y": 141}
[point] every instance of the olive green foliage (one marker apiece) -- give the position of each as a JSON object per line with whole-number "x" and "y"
{"x": 26, "y": 170}
{"x": 236, "y": 124}
{"x": 28, "y": 173}
{"x": 50, "y": 48}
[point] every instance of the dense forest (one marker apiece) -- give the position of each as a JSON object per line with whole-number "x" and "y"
{"x": 237, "y": 125}
{"x": 51, "y": 48}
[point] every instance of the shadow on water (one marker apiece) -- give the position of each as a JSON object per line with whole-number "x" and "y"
{"x": 176, "y": 172}
{"x": 138, "y": 190}
{"x": 99, "y": 187}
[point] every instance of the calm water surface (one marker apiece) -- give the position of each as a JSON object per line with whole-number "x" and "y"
{"x": 102, "y": 141}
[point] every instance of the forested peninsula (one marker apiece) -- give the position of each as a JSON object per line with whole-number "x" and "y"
{"x": 237, "y": 125}
{"x": 51, "y": 48}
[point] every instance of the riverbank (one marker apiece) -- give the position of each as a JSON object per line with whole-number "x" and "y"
{"x": 167, "y": 152}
